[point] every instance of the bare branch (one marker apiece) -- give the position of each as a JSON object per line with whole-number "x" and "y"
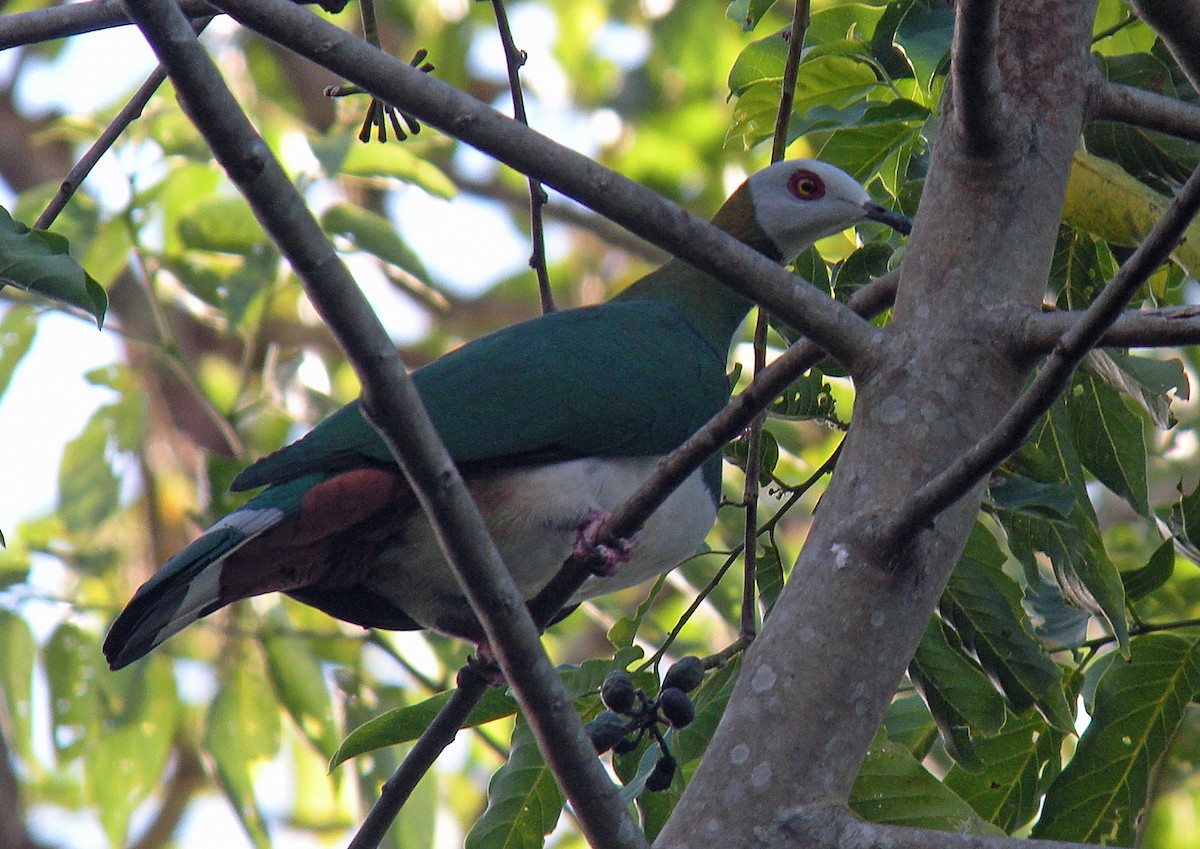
{"x": 978, "y": 98}
{"x": 66, "y": 20}
{"x": 1177, "y": 23}
{"x": 390, "y": 400}
{"x": 514, "y": 58}
{"x": 1149, "y": 328}
{"x": 839, "y": 331}
{"x": 1044, "y": 389}
{"x": 833, "y": 825}
{"x": 128, "y": 114}
{"x": 791, "y": 68}
{"x": 1141, "y": 108}
{"x": 433, "y": 740}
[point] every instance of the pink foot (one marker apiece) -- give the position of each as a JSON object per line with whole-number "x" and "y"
{"x": 604, "y": 558}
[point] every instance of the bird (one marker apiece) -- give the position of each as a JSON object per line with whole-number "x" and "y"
{"x": 552, "y": 422}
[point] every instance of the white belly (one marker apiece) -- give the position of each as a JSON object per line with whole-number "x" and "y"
{"x": 534, "y": 515}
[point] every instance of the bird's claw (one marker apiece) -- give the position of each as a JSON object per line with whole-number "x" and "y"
{"x": 603, "y": 557}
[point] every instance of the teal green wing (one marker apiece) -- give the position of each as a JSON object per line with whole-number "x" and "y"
{"x": 624, "y": 378}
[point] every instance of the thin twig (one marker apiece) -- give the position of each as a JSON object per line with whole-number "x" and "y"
{"x": 514, "y": 59}
{"x": 791, "y": 69}
{"x": 390, "y": 400}
{"x": 978, "y": 97}
{"x": 747, "y": 627}
{"x": 128, "y": 114}
{"x": 919, "y": 511}
{"x": 433, "y": 740}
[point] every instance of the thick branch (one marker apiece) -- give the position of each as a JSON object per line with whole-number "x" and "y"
{"x": 1177, "y": 23}
{"x": 391, "y": 401}
{"x": 1141, "y": 108}
{"x": 1154, "y": 328}
{"x": 833, "y": 825}
{"x": 1054, "y": 376}
{"x": 978, "y": 98}
{"x": 844, "y": 335}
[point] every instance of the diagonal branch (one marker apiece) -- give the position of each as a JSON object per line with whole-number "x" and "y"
{"x": 941, "y": 492}
{"x": 837, "y": 329}
{"x": 975, "y": 72}
{"x": 1141, "y": 108}
{"x": 391, "y": 401}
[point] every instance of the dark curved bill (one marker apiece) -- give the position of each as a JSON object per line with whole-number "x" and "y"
{"x": 898, "y": 222}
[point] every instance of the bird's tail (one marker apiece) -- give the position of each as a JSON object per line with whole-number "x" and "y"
{"x": 191, "y": 585}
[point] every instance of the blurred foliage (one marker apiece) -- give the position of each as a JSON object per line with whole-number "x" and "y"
{"x": 1053, "y": 693}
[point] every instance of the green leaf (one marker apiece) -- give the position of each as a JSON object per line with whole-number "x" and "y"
{"x": 1083, "y": 571}
{"x": 17, "y": 329}
{"x": 70, "y": 663}
{"x": 224, "y": 225}
{"x": 747, "y": 13}
{"x": 39, "y": 261}
{"x": 960, "y": 697}
{"x": 1022, "y": 495}
{"x": 372, "y": 233}
{"x": 760, "y": 61}
{"x": 1019, "y": 764}
{"x": 344, "y": 154}
{"x": 299, "y": 684}
{"x": 401, "y": 725}
{"x": 862, "y": 150}
{"x": 1109, "y": 438}
{"x": 87, "y": 488}
{"x": 1102, "y": 793}
{"x": 984, "y": 606}
{"x": 1080, "y": 267}
{"x": 893, "y": 788}
{"x": 1139, "y": 583}
{"x": 910, "y": 724}
{"x": 243, "y": 728}
{"x": 1149, "y": 382}
{"x": 1105, "y": 200}
{"x": 768, "y": 576}
{"x": 17, "y": 652}
{"x": 524, "y": 802}
{"x": 622, "y": 633}
{"x": 125, "y": 762}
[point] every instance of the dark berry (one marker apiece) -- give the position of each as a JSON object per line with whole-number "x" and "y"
{"x": 617, "y": 691}
{"x": 685, "y": 674}
{"x": 676, "y": 707}
{"x": 661, "y": 775}
{"x": 605, "y": 730}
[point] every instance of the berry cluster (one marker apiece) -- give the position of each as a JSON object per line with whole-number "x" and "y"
{"x": 631, "y": 715}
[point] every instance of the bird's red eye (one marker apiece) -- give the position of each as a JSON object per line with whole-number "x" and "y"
{"x": 806, "y": 185}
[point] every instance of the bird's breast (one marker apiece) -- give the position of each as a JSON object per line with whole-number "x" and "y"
{"x": 535, "y": 515}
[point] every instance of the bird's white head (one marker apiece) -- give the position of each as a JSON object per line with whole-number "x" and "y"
{"x": 798, "y": 201}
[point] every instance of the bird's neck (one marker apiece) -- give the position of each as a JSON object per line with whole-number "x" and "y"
{"x": 712, "y": 308}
